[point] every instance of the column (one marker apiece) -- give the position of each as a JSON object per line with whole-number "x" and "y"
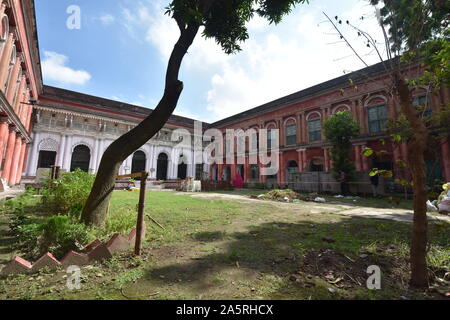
{"x": 300, "y": 160}
{"x": 281, "y": 172}
{"x": 21, "y": 162}
{"x": 33, "y": 158}
{"x": 299, "y": 128}
{"x": 62, "y": 147}
{"x": 326, "y": 159}
{"x": 99, "y": 152}
{"x": 247, "y": 167}
{"x": 5, "y": 59}
{"x": 154, "y": 164}
{"x": 20, "y": 94}
{"x": 15, "y": 159}
{"x": 280, "y": 132}
{"x": 12, "y": 83}
{"x": 149, "y": 162}
{"x": 219, "y": 172}
{"x": 9, "y": 153}
{"x": 68, "y": 153}
{"x": 3, "y": 135}
{"x": 95, "y": 155}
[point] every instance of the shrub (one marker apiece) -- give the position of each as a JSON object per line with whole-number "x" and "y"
{"x": 68, "y": 194}
{"x": 57, "y": 234}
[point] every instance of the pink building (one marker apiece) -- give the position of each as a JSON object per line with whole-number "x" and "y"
{"x": 299, "y": 117}
{"x": 20, "y": 83}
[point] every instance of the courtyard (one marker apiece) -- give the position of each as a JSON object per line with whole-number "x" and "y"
{"x": 229, "y": 246}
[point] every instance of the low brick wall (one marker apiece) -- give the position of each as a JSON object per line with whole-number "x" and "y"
{"x": 94, "y": 251}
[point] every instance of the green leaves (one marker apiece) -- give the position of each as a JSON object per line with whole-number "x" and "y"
{"x": 226, "y": 20}
{"x": 381, "y": 173}
{"x": 368, "y": 152}
{"x": 339, "y": 129}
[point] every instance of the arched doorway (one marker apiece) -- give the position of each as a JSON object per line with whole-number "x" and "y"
{"x": 81, "y": 157}
{"x": 161, "y": 169}
{"x": 138, "y": 162}
{"x": 182, "y": 168}
{"x": 317, "y": 165}
{"x": 46, "y": 159}
{"x": 241, "y": 170}
{"x": 291, "y": 167}
{"x": 226, "y": 174}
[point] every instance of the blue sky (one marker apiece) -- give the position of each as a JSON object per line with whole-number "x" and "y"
{"x": 121, "y": 50}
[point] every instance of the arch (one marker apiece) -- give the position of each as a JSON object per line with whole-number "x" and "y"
{"x": 343, "y": 105}
{"x": 87, "y": 145}
{"x": 289, "y": 119}
{"x": 226, "y": 173}
{"x": 5, "y": 27}
{"x": 309, "y": 116}
{"x": 269, "y": 124}
{"x": 48, "y": 145}
{"x": 162, "y": 166}
{"x": 81, "y": 158}
{"x": 139, "y": 161}
{"x": 378, "y": 96}
{"x": 182, "y": 167}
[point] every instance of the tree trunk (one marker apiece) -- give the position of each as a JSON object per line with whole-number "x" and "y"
{"x": 95, "y": 209}
{"x": 416, "y": 150}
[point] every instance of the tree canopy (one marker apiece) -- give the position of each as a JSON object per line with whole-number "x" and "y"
{"x": 339, "y": 130}
{"x": 225, "y": 20}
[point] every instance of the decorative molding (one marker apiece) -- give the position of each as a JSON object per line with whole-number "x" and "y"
{"x": 308, "y": 117}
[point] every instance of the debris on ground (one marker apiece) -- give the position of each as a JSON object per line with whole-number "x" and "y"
{"x": 320, "y": 200}
{"x": 281, "y": 195}
{"x": 431, "y": 207}
{"x": 443, "y": 202}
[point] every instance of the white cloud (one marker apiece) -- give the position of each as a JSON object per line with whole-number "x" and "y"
{"x": 277, "y": 60}
{"x": 54, "y": 68}
{"x": 107, "y": 19}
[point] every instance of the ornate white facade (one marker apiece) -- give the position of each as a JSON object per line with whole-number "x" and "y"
{"x": 59, "y": 131}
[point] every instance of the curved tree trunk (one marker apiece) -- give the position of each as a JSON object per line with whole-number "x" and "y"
{"x": 95, "y": 209}
{"x": 416, "y": 150}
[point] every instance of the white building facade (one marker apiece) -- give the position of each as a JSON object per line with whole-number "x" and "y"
{"x": 75, "y": 135}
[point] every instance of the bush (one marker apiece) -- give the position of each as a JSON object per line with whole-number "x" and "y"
{"x": 68, "y": 194}
{"x": 57, "y": 234}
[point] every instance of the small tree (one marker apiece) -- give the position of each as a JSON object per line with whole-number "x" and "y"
{"x": 340, "y": 129}
{"x": 416, "y": 40}
{"x": 223, "y": 20}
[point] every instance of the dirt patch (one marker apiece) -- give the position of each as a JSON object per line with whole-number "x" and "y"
{"x": 336, "y": 268}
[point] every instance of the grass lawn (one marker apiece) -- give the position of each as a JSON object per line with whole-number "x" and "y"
{"x": 241, "y": 249}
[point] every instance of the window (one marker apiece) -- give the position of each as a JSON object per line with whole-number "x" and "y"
{"x": 423, "y": 106}
{"x": 291, "y": 134}
{"x": 254, "y": 172}
{"x": 315, "y": 130}
{"x": 271, "y": 136}
{"x": 46, "y": 159}
{"x": 254, "y": 141}
{"x": 377, "y": 119}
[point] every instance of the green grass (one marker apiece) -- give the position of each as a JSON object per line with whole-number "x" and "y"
{"x": 230, "y": 249}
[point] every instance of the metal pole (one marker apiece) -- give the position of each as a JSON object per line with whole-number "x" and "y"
{"x": 140, "y": 218}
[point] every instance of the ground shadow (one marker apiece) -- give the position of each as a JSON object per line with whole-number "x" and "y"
{"x": 287, "y": 249}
